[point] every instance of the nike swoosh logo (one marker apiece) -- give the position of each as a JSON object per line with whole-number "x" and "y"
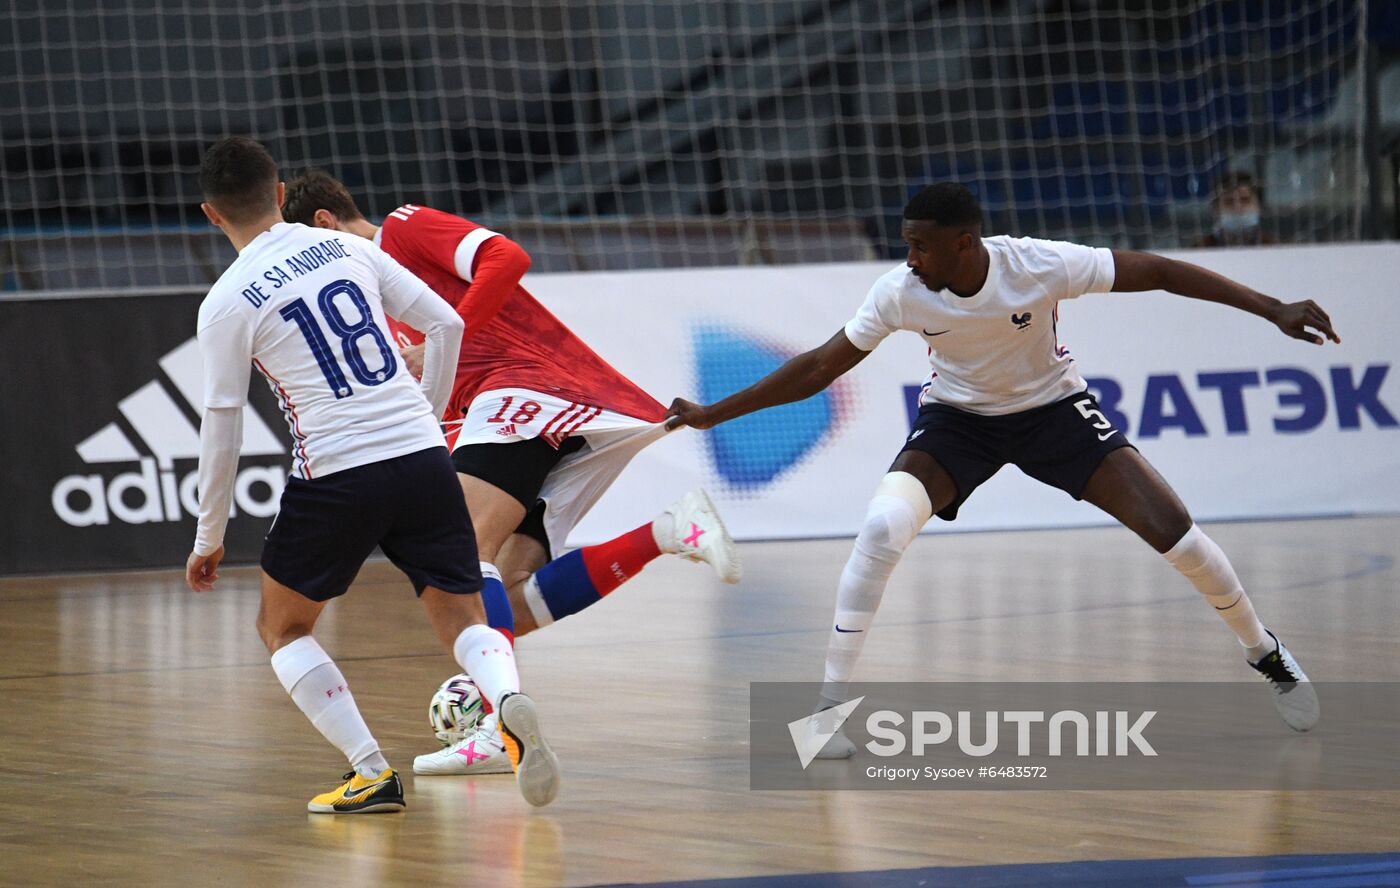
{"x": 348, "y": 795}
{"x": 839, "y": 629}
{"x": 1106, "y": 435}
{"x": 939, "y": 333}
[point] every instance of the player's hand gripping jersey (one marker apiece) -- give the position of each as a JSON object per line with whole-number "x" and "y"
{"x": 511, "y": 340}
{"x": 997, "y": 351}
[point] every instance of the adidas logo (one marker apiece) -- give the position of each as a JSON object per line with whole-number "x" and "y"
{"x": 506, "y": 430}
{"x": 153, "y": 493}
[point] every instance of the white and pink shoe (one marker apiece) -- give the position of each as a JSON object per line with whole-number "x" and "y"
{"x": 481, "y": 752}
{"x": 696, "y": 533}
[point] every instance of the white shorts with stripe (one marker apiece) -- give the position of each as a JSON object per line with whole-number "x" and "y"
{"x": 503, "y": 416}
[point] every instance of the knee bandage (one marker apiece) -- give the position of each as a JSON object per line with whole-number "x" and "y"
{"x": 1202, "y": 562}
{"x": 896, "y": 514}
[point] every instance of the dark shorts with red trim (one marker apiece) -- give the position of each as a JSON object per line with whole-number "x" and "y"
{"x": 1059, "y": 444}
{"x": 411, "y": 507}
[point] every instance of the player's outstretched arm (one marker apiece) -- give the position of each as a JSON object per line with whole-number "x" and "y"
{"x": 801, "y": 377}
{"x": 1136, "y": 272}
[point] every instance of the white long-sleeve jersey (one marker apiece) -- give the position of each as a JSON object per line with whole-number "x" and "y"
{"x": 306, "y": 308}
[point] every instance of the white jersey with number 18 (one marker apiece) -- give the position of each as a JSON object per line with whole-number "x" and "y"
{"x": 306, "y": 307}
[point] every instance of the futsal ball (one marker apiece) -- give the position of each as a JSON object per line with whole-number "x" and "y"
{"x": 455, "y": 710}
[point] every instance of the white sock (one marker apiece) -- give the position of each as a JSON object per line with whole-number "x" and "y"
{"x": 315, "y": 684}
{"x": 1202, "y": 562}
{"x": 891, "y": 523}
{"x": 663, "y": 530}
{"x": 486, "y": 655}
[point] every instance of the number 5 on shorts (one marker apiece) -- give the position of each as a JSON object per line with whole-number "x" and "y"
{"x": 1093, "y": 413}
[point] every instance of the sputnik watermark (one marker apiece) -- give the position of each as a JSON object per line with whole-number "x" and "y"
{"x": 1113, "y": 733}
{"x": 1098, "y": 733}
{"x": 1068, "y": 735}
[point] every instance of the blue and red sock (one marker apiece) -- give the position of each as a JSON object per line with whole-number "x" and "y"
{"x": 499, "y": 616}
{"x": 585, "y": 576}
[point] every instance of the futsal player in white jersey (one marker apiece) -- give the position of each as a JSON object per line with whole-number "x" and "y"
{"x": 1003, "y": 390}
{"x": 370, "y": 465}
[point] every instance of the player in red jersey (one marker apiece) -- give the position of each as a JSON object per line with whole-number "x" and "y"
{"x": 546, "y": 425}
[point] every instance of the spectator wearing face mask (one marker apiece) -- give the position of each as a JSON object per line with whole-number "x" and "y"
{"x": 1235, "y": 207}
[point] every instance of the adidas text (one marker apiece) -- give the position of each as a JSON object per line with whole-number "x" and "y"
{"x": 152, "y": 495}
{"x": 155, "y": 491}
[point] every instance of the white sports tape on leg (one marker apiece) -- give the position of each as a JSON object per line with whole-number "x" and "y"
{"x": 910, "y": 489}
{"x": 897, "y": 512}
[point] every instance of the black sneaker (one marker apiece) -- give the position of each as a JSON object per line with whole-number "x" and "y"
{"x": 1294, "y": 697}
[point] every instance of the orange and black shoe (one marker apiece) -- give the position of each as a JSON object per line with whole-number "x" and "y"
{"x": 360, "y": 796}
{"x": 536, "y": 766}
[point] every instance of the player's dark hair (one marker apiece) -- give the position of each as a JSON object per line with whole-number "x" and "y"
{"x": 1232, "y": 179}
{"x": 318, "y": 190}
{"x": 239, "y": 178}
{"x": 945, "y": 204}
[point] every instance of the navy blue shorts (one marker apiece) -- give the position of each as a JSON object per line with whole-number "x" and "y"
{"x": 1060, "y": 444}
{"x": 411, "y": 507}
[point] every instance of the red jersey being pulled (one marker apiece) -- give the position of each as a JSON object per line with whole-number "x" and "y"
{"x": 511, "y": 341}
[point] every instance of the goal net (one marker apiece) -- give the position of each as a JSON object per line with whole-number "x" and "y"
{"x": 606, "y": 135}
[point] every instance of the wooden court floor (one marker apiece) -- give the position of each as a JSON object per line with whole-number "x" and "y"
{"x": 145, "y": 740}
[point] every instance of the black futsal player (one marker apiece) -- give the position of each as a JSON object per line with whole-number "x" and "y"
{"x": 1003, "y": 390}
